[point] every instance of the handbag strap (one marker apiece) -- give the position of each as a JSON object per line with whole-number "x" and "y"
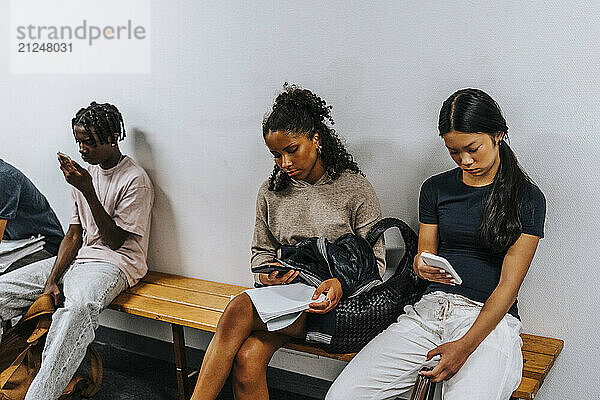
{"x": 8, "y": 372}
{"x": 408, "y": 235}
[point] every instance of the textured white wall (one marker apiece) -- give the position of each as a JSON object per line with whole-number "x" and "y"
{"x": 194, "y": 124}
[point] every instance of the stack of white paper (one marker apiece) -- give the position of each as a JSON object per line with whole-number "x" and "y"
{"x": 279, "y": 306}
{"x": 13, "y": 250}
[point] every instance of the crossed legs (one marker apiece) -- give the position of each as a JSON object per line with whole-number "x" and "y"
{"x": 243, "y": 346}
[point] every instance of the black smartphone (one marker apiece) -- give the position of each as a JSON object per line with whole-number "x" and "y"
{"x": 268, "y": 268}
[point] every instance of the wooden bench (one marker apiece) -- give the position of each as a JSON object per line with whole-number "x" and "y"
{"x": 197, "y": 303}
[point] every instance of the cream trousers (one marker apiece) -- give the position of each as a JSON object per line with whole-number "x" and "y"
{"x": 387, "y": 367}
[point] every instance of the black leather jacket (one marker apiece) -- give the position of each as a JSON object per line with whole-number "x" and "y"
{"x": 350, "y": 259}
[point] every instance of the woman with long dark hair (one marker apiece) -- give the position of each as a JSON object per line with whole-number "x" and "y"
{"x": 486, "y": 218}
{"x": 315, "y": 190}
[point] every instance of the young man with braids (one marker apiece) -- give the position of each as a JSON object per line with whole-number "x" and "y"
{"x": 103, "y": 252}
{"x": 25, "y": 212}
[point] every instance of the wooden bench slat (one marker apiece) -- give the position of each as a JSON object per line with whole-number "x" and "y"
{"x": 177, "y": 296}
{"x": 536, "y": 365}
{"x": 189, "y": 316}
{"x": 527, "y": 389}
{"x": 541, "y": 344}
{"x": 193, "y": 284}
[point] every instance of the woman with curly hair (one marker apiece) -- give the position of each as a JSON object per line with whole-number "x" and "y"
{"x": 316, "y": 189}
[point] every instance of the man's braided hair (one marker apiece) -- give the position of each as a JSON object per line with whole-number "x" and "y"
{"x": 104, "y": 118}
{"x": 299, "y": 111}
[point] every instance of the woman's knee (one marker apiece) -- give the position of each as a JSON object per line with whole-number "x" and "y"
{"x": 251, "y": 361}
{"x": 238, "y": 310}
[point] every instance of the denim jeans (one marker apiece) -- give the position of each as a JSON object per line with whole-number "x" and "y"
{"x": 387, "y": 366}
{"x": 88, "y": 289}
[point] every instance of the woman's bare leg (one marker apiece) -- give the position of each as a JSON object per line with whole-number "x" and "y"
{"x": 238, "y": 321}
{"x": 249, "y": 373}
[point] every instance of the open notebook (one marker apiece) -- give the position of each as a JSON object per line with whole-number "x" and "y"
{"x": 279, "y": 306}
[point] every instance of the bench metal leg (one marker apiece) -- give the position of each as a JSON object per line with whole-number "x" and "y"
{"x": 180, "y": 360}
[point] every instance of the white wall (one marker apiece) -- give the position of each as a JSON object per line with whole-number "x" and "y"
{"x": 194, "y": 124}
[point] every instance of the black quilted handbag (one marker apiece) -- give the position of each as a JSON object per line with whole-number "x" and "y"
{"x": 360, "y": 318}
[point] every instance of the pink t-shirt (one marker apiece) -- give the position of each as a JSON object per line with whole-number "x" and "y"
{"x": 127, "y": 195}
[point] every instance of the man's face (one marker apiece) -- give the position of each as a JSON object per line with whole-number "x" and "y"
{"x": 91, "y": 150}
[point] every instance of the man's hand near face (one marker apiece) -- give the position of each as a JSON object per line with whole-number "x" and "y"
{"x": 77, "y": 176}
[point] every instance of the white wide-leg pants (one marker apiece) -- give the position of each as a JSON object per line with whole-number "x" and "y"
{"x": 387, "y": 367}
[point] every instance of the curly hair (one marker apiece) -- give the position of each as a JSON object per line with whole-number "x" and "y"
{"x": 300, "y": 111}
{"x": 105, "y": 118}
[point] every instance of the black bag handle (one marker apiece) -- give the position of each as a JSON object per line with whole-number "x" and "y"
{"x": 408, "y": 235}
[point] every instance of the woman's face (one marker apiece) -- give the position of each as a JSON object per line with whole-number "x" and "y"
{"x": 477, "y": 154}
{"x": 296, "y": 155}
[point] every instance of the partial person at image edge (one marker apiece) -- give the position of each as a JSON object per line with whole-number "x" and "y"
{"x": 25, "y": 212}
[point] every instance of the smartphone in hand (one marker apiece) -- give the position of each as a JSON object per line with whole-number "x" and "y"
{"x": 63, "y": 158}
{"x": 441, "y": 262}
{"x": 268, "y": 268}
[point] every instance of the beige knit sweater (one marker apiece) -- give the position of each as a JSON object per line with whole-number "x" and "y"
{"x": 329, "y": 208}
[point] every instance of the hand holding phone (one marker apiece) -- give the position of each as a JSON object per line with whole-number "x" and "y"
{"x": 276, "y": 272}
{"x": 270, "y": 267}
{"x": 441, "y": 262}
{"x": 63, "y": 158}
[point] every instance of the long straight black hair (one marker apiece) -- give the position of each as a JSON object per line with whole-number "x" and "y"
{"x": 474, "y": 111}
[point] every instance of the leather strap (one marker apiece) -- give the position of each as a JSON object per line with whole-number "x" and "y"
{"x": 408, "y": 235}
{"x": 95, "y": 373}
{"x": 42, "y": 305}
{"x": 424, "y": 389}
{"x": 8, "y": 372}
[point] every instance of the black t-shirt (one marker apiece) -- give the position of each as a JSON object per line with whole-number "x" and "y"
{"x": 458, "y": 209}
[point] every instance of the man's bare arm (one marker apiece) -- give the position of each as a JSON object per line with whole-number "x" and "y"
{"x": 69, "y": 247}
{"x": 112, "y": 235}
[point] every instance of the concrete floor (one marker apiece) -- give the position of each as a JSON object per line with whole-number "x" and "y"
{"x": 129, "y": 376}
